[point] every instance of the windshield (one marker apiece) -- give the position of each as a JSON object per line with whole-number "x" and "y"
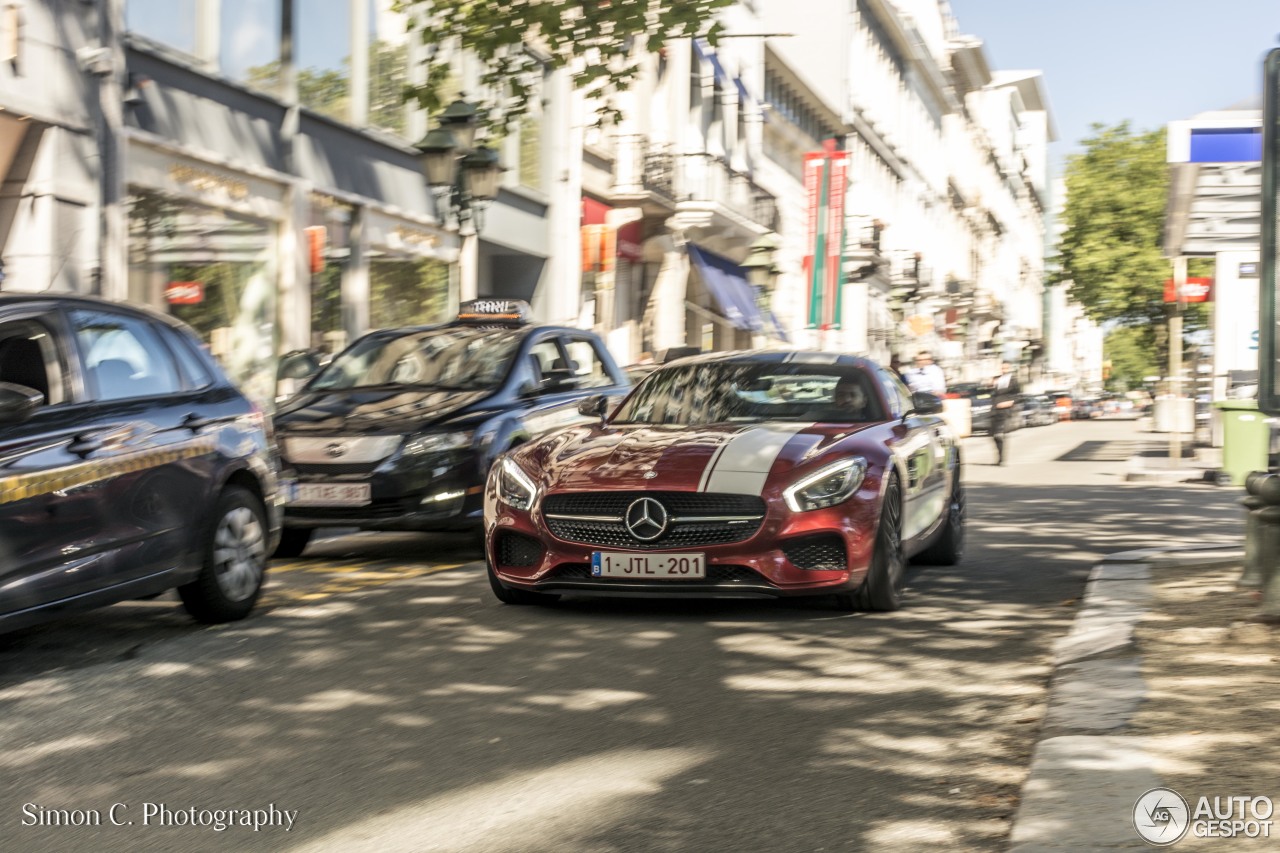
{"x": 732, "y": 392}
{"x": 451, "y": 358}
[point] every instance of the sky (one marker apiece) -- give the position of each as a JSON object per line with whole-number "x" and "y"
{"x": 1147, "y": 61}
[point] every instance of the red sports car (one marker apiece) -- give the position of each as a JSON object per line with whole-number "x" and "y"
{"x": 733, "y": 475}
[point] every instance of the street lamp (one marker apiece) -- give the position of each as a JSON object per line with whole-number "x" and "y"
{"x": 469, "y": 177}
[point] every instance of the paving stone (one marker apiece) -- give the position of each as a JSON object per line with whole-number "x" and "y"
{"x": 1095, "y": 695}
{"x": 1080, "y": 794}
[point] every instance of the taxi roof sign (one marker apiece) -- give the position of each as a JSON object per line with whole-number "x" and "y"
{"x": 515, "y": 311}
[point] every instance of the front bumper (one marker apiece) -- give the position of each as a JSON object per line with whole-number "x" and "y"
{"x": 441, "y": 491}
{"x": 760, "y": 566}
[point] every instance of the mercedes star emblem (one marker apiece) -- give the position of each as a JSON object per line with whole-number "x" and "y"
{"x": 336, "y": 449}
{"x": 646, "y": 519}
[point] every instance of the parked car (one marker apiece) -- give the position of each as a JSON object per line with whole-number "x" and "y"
{"x": 738, "y": 475}
{"x": 979, "y": 397}
{"x": 398, "y": 431}
{"x": 1037, "y": 410}
{"x": 1085, "y": 408}
{"x": 129, "y": 465}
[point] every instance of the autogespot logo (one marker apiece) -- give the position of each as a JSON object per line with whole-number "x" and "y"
{"x": 1161, "y": 816}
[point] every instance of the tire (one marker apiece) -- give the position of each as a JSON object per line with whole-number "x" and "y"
{"x": 507, "y": 595}
{"x": 882, "y": 587}
{"x": 948, "y": 548}
{"x": 234, "y": 555}
{"x": 293, "y": 541}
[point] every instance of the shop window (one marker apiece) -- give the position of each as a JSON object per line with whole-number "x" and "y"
{"x": 215, "y": 271}
{"x": 328, "y": 254}
{"x": 407, "y": 291}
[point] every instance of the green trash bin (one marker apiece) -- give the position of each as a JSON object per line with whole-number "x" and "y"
{"x": 1246, "y": 438}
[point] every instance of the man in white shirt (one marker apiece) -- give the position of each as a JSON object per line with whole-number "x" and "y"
{"x": 926, "y": 376}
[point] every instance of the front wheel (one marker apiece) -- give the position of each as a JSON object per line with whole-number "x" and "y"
{"x": 235, "y": 561}
{"x": 882, "y": 587}
{"x": 507, "y": 595}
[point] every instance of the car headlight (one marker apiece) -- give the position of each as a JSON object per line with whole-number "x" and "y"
{"x": 436, "y": 442}
{"x": 828, "y": 486}
{"x": 514, "y": 486}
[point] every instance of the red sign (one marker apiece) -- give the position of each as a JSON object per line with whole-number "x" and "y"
{"x": 184, "y": 292}
{"x": 1195, "y": 290}
{"x": 317, "y": 240}
{"x": 630, "y": 240}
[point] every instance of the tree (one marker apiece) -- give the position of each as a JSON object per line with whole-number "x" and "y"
{"x": 1110, "y": 253}
{"x": 599, "y": 41}
{"x": 1131, "y": 352}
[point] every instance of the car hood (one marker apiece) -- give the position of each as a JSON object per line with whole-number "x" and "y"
{"x": 378, "y": 411}
{"x": 733, "y": 458}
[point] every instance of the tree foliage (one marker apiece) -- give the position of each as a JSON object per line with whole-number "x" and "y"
{"x": 1133, "y": 356}
{"x": 1110, "y": 251}
{"x": 601, "y": 42}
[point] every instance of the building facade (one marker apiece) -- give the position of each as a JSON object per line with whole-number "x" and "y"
{"x": 248, "y": 166}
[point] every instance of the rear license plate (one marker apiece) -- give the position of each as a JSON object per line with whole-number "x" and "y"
{"x": 330, "y": 494}
{"x": 648, "y": 566}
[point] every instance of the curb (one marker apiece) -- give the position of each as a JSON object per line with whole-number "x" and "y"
{"x": 1086, "y": 772}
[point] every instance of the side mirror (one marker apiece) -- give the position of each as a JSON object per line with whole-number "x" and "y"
{"x": 926, "y": 404}
{"x": 595, "y": 406}
{"x": 17, "y": 402}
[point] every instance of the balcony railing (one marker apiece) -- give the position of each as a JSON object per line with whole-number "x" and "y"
{"x": 642, "y": 167}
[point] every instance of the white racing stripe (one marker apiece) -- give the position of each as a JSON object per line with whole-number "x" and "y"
{"x": 741, "y": 465}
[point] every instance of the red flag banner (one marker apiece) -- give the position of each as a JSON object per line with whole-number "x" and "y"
{"x": 815, "y": 166}
{"x": 839, "y": 184}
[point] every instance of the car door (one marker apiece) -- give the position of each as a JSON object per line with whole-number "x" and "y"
{"x": 154, "y": 430}
{"x": 921, "y": 442}
{"x": 554, "y": 375}
{"x": 52, "y": 496}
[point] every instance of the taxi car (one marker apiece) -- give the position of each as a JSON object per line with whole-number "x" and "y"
{"x": 129, "y": 465}
{"x": 733, "y": 475}
{"x": 399, "y": 430}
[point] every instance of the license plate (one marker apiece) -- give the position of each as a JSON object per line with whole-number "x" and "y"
{"x": 609, "y": 564}
{"x": 330, "y": 494}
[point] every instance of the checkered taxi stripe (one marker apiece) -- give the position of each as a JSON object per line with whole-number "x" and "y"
{"x": 20, "y": 487}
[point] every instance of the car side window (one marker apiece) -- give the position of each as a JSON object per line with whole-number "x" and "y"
{"x": 194, "y": 371}
{"x": 587, "y": 363}
{"x": 546, "y": 362}
{"x": 123, "y": 356}
{"x": 895, "y": 392}
{"x": 29, "y": 358}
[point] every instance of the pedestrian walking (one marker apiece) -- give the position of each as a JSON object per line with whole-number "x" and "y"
{"x": 1005, "y": 391}
{"x": 926, "y": 377}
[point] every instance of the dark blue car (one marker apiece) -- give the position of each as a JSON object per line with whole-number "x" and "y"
{"x": 398, "y": 432}
{"x": 129, "y": 465}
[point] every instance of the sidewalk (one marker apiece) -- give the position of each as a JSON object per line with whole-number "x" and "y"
{"x": 1162, "y": 681}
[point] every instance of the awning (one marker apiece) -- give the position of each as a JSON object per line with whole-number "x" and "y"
{"x": 734, "y": 296}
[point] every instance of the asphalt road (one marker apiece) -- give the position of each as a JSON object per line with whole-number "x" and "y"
{"x": 388, "y": 702}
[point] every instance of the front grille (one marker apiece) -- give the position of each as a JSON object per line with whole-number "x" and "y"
{"x": 726, "y": 575}
{"x": 614, "y": 534}
{"x": 518, "y": 551}
{"x": 677, "y": 503}
{"x": 822, "y": 553}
